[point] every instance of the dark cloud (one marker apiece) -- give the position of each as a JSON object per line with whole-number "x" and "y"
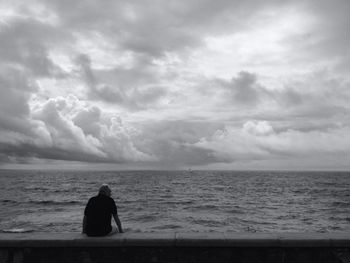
{"x": 291, "y": 98}
{"x": 96, "y": 90}
{"x": 109, "y": 94}
{"x": 318, "y": 96}
{"x": 131, "y": 88}
{"x": 26, "y": 42}
{"x": 179, "y": 131}
{"x": 174, "y": 141}
{"x": 176, "y": 154}
{"x": 150, "y": 33}
{"x": 244, "y": 88}
{"x": 16, "y": 90}
{"x": 153, "y": 28}
{"x": 25, "y": 151}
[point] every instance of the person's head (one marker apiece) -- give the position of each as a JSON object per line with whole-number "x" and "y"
{"x": 105, "y": 190}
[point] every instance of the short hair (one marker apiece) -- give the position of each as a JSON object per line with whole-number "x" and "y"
{"x": 104, "y": 189}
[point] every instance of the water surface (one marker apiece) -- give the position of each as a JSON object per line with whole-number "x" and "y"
{"x": 154, "y": 201}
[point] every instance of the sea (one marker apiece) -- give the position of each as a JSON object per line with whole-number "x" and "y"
{"x": 179, "y": 201}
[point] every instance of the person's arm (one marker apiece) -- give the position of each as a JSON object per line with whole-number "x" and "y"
{"x": 84, "y": 225}
{"x": 117, "y": 221}
{"x": 86, "y": 211}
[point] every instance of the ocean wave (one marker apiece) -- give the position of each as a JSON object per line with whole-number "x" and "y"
{"x": 235, "y": 211}
{"x": 214, "y": 207}
{"x": 167, "y": 227}
{"x": 53, "y": 202}
{"x": 177, "y": 202}
{"x": 249, "y": 201}
{"x": 146, "y": 218}
{"x": 341, "y": 204}
{"x": 71, "y": 190}
{"x": 166, "y": 196}
{"x": 205, "y": 207}
{"x": 17, "y": 230}
{"x": 36, "y": 188}
{"x": 207, "y": 222}
{"x": 8, "y": 201}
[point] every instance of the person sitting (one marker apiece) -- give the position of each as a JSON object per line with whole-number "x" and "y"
{"x": 98, "y": 214}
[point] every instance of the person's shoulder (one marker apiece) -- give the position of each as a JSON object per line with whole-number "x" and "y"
{"x": 105, "y": 198}
{"x": 91, "y": 201}
{"x": 110, "y": 198}
{"x": 93, "y": 198}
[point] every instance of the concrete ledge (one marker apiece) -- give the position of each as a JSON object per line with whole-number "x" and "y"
{"x": 175, "y": 248}
{"x": 200, "y": 240}
{"x": 252, "y": 240}
{"x": 176, "y": 240}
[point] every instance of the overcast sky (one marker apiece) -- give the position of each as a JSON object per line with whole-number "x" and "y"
{"x": 222, "y": 84}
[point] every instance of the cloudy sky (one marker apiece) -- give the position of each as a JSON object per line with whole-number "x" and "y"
{"x": 222, "y": 84}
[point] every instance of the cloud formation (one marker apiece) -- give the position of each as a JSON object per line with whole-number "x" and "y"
{"x": 257, "y": 141}
{"x": 224, "y": 84}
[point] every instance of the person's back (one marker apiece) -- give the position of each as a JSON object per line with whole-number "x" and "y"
{"x": 98, "y": 213}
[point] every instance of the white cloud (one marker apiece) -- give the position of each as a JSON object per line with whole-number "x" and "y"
{"x": 258, "y": 128}
{"x": 77, "y": 127}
